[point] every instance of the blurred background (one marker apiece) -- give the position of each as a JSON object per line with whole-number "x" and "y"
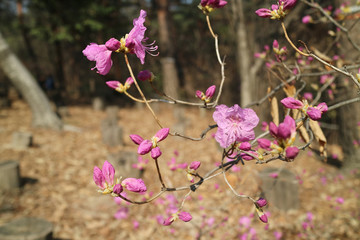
{"x": 47, "y": 39}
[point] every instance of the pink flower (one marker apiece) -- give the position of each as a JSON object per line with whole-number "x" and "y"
{"x": 184, "y": 216}
{"x": 292, "y": 103}
{"x": 195, "y": 165}
{"x": 291, "y": 152}
{"x": 315, "y": 112}
{"x": 274, "y": 175}
{"x": 285, "y": 129}
{"x": 145, "y": 75}
{"x": 104, "y": 178}
{"x": 288, "y": 4}
{"x": 134, "y": 185}
{"x": 208, "y": 94}
{"x": 264, "y": 143}
{"x": 210, "y": 5}
{"x": 122, "y": 213}
{"x": 234, "y": 124}
{"x": 307, "y": 19}
{"x": 136, "y": 37}
{"x": 308, "y": 96}
{"x": 245, "y": 221}
{"x": 264, "y": 13}
{"x": 101, "y": 54}
{"x": 278, "y": 235}
{"x": 340, "y": 200}
{"x": 245, "y": 146}
{"x": 278, "y": 11}
{"x": 261, "y": 202}
{"x": 146, "y": 146}
{"x": 119, "y": 87}
{"x": 141, "y": 163}
{"x": 261, "y": 214}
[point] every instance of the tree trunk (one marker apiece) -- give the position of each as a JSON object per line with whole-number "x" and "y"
{"x": 168, "y": 63}
{"x": 349, "y": 115}
{"x": 42, "y": 114}
{"x": 242, "y": 53}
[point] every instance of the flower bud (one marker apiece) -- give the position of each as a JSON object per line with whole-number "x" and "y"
{"x": 113, "y": 44}
{"x": 145, "y": 75}
{"x": 195, "y": 165}
{"x": 117, "y": 189}
{"x": 210, "y": 92}
{"x": 261, "y": 202}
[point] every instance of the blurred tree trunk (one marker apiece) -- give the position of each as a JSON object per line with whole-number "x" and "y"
{"x": 167, "y": 54}
{"x": 242, "y": 53}
{"x": 42, "y": 114}
{"x": 349, "y": 116}
{"x": 26, "y": 38}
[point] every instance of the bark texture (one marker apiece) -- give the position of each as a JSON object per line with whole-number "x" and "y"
{"x": 21, "y": 78}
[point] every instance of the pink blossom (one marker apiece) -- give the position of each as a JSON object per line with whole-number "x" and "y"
{"x": 145, "y": 146}
{"x": 278, "y": 11}
{"x": 136, "y": 224}
{"x": 141, "y": 163}
{"x": 118, "y": 86}
{"x": 261, "y": 202}
{"x": 274, "y": 175}
{"x": 136, "y": 38}
{"x": 245, "y": 146}
{"x": 288, "y": 4}
{"x": 315, "y": 112}
{"x": 134, "y": 185}
{"x": 285, "y": 129}
{"x": 208, "y": 94}
{"x": 213, "y": 3}
{"x": 234, "y": 124}
{"x": 340, "y": 200}
{"x": 292, "y": 103}
{"x": 195, "y": 165}
{"x": 264, "y": 126}
{"x": 310, "y": 216}
{"x": 291, "y": 152}
{"x": 264, "y": 143}
{"x": 104, "y": 178}
{"x": 185, "y": 216}
{"x": 307, "y": 19}
{"x": 145, "y": 75}
{"x": 245, "y": 221}
{"x": 308, "y": 96}
{"x": 264, "y": 13}
{"x": 278, "y": 235}
{"x": 101, "y": 54}
{"x": 122, "y": 213}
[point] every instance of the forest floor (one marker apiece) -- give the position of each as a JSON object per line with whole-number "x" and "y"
{"x": 60, "y": 165}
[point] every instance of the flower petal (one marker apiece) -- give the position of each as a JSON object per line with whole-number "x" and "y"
{"x": 99, "y": 178}
{"x": 108, "y": 172}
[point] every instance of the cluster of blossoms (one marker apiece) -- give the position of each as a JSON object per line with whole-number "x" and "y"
{"x": 278, "y": 11}
{"x": 146, "y": 146}
{"x": 132, "y": 43}
{"x": 284, "y": 135}
{"x": 313, "y": 113}
{"x": 104, "y": 179}
{"x": 207, "y": 6}
{"x": 208, "y": 94}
